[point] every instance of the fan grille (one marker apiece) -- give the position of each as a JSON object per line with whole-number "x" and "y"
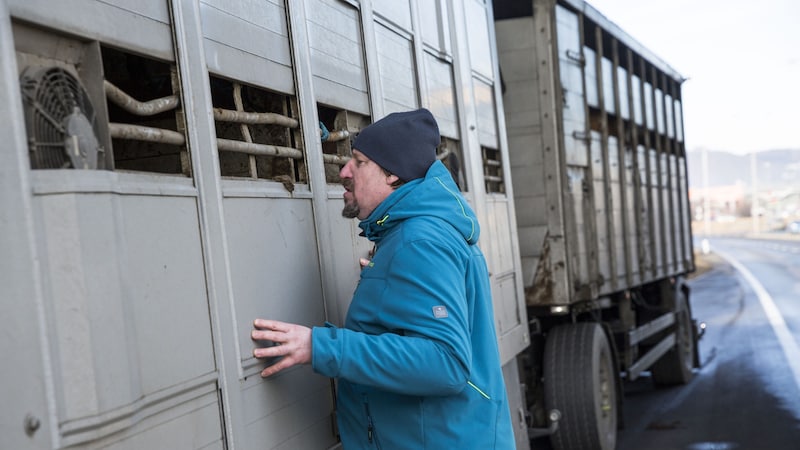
{"x": 53, "y": 99}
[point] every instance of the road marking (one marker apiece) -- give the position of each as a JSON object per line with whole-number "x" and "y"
{"x": 785, "y": 338}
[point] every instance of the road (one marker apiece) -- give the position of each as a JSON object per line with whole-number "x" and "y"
{"x": 746, "y": 395}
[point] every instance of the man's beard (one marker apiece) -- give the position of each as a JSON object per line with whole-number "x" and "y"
{"x": 350, "y": 210}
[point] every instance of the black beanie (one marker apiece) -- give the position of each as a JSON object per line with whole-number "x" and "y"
{"x": 404, "y": 143}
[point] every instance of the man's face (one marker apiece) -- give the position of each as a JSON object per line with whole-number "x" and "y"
{"x": 366, "y": 186}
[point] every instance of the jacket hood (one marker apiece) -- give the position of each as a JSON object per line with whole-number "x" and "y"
{"x": 434, "y": 195}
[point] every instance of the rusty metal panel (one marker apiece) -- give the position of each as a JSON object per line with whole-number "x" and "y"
{"x": 524, "y": 130}
{"x": 534, "y": 153}
{"x": 600, "y": 215}
{"x": 579, "y": 233}
{"x": 668, "y": 235}
{"x": 656, "y": 214}
{"x": 517, "y": 55}
{"x": 616, "y": 213}
{"x": 676, "y": 215}
{"x": 686, "y": 216}
{"x": 631, "y": 218}
{"x": 246, "y": 40}
{"x": 337, "y": 55}
{"x": 571, "y": 72}
{"x": 643, "y": 214}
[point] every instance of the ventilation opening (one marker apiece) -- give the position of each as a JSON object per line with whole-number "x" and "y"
{"x": 493, "y": 171}
{"x": 145, "y": 119}
{"x": 258, "y": 133}
{"x": 449, "y": 153}
{"x": 61, "y": 88}
{"x": 337, "y": 128}
{"x": 61, "y": 121}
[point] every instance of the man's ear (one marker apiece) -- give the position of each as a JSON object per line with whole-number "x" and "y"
{"x": 391, "y": 179}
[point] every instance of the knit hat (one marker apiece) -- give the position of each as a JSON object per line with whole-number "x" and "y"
{"x": 404, "y": 143}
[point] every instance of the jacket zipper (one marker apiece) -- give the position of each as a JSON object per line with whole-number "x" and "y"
{"x": 370, "y": 426}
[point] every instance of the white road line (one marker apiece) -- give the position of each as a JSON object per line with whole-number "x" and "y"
{"x": 785, "y": 338}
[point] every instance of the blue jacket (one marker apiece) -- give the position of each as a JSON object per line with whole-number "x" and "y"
{"x": 417, "y": 361}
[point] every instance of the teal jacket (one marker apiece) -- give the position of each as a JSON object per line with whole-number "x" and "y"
{"x": 417, "y": 361}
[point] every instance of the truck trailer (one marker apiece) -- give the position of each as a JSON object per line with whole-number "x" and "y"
{"x": 170, "y": 173}
{"x": 598, "y": 167}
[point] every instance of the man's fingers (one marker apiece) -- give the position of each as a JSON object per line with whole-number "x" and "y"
{"x": 274, "y": 336}
{"x": 275, "y": 368}
{"x": 269, "y": 352}
{"x": 294, "y": 344}
{"x": 274, "y": 325}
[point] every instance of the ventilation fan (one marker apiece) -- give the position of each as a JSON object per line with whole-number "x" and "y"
{"x": 60, "y": 119}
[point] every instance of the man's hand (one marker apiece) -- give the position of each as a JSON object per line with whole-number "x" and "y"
{"x": 294, "y": 344}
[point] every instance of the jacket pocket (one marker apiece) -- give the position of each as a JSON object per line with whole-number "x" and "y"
{"x": 372, "y": 435}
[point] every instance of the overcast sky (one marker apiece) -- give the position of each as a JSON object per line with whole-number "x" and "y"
{"x": 742, "y": 61}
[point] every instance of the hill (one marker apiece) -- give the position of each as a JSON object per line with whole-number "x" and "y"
{"x": 777, "y": 169}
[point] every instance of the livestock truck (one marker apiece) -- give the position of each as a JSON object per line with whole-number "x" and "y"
{"x": 598, "y": 166}
{"x": 170, "y": 170}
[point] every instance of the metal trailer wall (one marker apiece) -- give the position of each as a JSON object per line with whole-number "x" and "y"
{"x": 597, "y": 151}
{"x": 129, "y": 290}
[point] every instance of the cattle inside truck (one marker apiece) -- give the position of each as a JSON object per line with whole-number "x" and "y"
{"x": 598, "y": 162}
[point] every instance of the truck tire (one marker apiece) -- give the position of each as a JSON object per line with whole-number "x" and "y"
{"x": 579, "y": 381}
{"x": 675, "y": 367}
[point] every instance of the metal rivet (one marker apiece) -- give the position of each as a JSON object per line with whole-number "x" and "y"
{"x": 32, "y": 423}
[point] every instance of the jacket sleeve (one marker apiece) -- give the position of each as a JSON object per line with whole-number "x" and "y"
{"x": 420, "y": 301}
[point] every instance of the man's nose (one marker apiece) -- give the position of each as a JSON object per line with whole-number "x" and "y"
{"x": 345, "y": 172}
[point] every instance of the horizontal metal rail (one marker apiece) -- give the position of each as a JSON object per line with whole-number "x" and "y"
{"x": 147, "y": 134}
{"x": 650, "y": 357}
{"x": 118, "y": 97}
{"x": 149, "y": 108}
{"x": 493, "y": 178}
{"x": 254, "y": 118}
{"x": 162, "y": 136}
{"x": 159, "y": 135}
{"x": 650, "y": 328}
{"x": 338, "y": 135}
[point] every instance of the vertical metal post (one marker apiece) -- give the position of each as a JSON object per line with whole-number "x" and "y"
{"x": 754, "y": 206}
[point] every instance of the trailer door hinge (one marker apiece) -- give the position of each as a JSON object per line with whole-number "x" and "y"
{"x": 576, "y": 56}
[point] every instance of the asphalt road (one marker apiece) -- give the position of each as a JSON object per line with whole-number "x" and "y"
{"x": 746, "y": 395}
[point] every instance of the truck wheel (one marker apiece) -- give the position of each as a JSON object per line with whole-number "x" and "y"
{"x": 675, "y": 367}
{"x": 579, "y": 381}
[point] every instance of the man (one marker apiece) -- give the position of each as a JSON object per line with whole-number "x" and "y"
{"x": 417, "y": 361}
